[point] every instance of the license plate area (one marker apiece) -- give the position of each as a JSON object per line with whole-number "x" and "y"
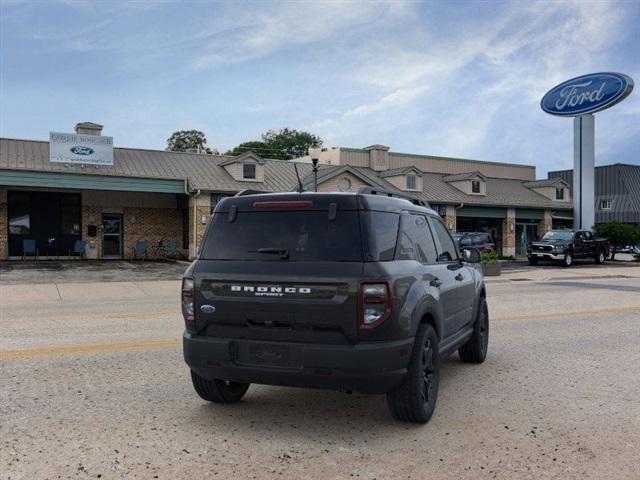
{"x": 265, "y": 354}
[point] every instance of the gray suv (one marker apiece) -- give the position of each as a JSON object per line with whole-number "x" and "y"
{"x": 358, "y": 292}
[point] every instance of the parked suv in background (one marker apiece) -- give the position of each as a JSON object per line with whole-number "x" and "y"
{"x": 480, "y": 240}
{"x": 355, "y": 292}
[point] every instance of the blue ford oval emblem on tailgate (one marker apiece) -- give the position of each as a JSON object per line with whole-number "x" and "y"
{"x": 80, "y": 150}
{"x": 207, "y": 309}
{"x": 587, "y": 94}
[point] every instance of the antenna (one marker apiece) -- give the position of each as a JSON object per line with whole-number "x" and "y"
{"x": 300, "y": 187}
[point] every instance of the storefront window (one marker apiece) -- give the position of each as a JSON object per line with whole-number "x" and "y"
{"x": 19, "y": 220}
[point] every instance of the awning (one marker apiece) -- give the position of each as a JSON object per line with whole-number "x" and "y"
{"x": 30, "y": 178}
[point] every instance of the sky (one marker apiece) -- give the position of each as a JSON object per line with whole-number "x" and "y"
{"x": 451, "y": 78}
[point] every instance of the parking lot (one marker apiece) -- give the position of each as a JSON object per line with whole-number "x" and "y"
{"x": 94, "y": 386}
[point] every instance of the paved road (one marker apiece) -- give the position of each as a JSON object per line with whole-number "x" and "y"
{"x": 97, "y": 389}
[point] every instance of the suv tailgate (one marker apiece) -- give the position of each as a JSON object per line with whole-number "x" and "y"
{"x": 312, "y": 302}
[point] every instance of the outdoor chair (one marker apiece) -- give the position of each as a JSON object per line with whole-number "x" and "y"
{"x": 29, "y": 248}
{"x": 142, "y": 249}
{"x": 172, "y": 249}
{"x": 79, "y": 248}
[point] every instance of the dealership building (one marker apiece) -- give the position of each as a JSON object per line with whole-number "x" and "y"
{"x": 113, "y": 198}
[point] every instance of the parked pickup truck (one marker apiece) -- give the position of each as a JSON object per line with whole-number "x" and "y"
{"x": 566, "y": 245}
{"x": 348, "y": 291}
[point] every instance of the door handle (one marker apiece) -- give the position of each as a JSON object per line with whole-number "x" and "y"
{"x": 435, "y": 282}
{"x": 459, "y": 277}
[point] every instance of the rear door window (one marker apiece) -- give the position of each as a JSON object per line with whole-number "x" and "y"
{"x": 382, "y": 234}
{"x": 416, "y": 241}
{"x": 444, "y": 244}
{"x": 284, "y": 235}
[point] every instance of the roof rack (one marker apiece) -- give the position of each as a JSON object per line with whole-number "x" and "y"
{"x": 386, "y": 193}
{"x": 248, "y": 191}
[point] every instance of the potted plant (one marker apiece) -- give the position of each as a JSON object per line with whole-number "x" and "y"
{"x": 490, "y": 264}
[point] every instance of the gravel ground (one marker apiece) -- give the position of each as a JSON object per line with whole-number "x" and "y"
{"x": 557, "y": 398}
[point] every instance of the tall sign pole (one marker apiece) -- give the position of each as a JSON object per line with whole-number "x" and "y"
{"x": 580, "y": 97}
{"x": 583, "y": 171}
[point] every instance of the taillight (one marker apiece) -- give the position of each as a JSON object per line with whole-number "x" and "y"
{"x": 187, "y": 303}
{"x": 374, "y": 304}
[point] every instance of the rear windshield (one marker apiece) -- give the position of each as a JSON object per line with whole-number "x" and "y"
{"x": 284, "y": 236}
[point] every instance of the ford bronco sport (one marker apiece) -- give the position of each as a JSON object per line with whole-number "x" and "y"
{"x": 357, "y": 292}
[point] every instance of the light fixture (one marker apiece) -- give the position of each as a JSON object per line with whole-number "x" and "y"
{"x": 132, "y": 219}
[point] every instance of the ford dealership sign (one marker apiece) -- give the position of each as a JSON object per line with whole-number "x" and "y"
{"x": 80, "y": 149}
{"x": 587, "y": 94}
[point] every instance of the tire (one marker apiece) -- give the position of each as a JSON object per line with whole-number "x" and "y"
{"x": 600, "y": 257}
{"x": 533, "y": 261}
{"x": 415, "y": 400}
{"x": 568, "y": 260}
{"x": 475, "y": 350}
{"x": 218, "y": 391}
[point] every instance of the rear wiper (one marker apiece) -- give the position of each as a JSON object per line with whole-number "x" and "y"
{"x": 283, "y": 252}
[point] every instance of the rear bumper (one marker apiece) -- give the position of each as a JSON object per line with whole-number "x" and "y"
{"x": 374, "y": 367}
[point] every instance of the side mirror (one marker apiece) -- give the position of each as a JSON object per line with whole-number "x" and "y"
{"x": 470, "y": 255}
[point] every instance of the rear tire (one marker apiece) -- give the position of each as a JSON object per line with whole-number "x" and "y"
{"x": 475, "y": 350}
{"x": 415, "y": 400}
{"x": 600, "y": 257}
{"x": 567, "y": 261}
{"x": 218, "y": 391}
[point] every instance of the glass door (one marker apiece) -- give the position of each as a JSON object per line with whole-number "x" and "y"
{"x": 525, "y": 233}
{"x": 111, "y": 235}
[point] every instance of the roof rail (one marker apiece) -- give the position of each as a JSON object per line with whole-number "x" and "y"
{"x": 386, "y": 193}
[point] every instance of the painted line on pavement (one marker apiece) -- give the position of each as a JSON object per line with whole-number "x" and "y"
{"x": 173, "y": 343}
{"x": 99, "y": 348}
{"x": 93, "y": 316}
{"x": 571, "y": 313}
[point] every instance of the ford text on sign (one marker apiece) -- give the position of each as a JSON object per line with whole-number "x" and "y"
{"x": 587, "y": 94}
{"x": 86, "y": 149}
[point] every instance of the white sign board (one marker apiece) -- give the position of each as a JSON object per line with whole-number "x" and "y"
{"x": 77, "y": 149}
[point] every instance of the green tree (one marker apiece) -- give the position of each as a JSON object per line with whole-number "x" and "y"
{"x": 188, "y": 141}
{"x": 257, "y": 147}
{"x": 619, "y": 234}
{"x": 283, "y": 144}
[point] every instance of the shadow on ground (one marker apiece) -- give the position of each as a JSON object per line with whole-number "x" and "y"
{"x": 88, "y": 271}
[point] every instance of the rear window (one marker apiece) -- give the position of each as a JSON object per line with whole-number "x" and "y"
{"x": 284, "y": 235}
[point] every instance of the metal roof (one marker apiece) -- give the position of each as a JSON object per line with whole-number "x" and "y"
{"x": 620, "y": 184}
{"x": 203, "y": 171}
{"x": 400, "y": 171}
{"x": 547, "y": 182}
{"x": 463, "y": 176}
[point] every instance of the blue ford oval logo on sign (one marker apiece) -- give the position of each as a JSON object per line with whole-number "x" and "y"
{"x": 79, "y": 150}
{"x": 587, "y": 94}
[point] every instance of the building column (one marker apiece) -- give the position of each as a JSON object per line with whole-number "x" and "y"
{"x": 199, "y": 215}
{"x": 450, "y": 218}
{"x": 509, "y": 234}
{"x": 4, "y": 227}
{"x": 545, "y": 224}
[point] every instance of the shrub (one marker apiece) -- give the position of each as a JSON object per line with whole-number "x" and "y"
{"x": 488, "y": 257}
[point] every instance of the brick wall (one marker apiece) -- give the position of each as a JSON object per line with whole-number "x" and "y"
{"x": 509, "y": 233}
{"x": 545, "y": 224}
{"x": 152, "y": 225}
